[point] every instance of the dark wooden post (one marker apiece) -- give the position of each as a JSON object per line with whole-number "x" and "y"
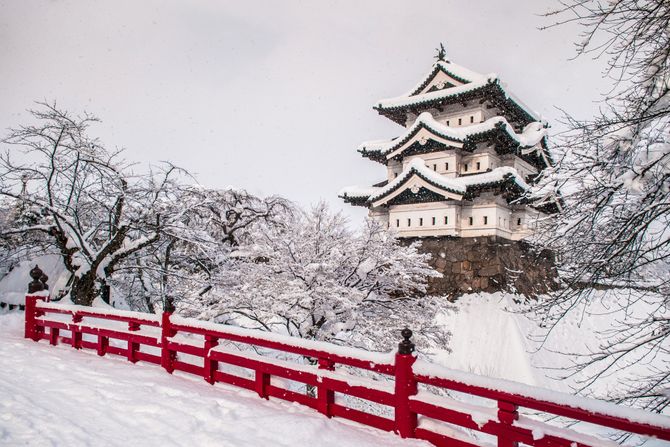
{"x": 36, "y": 285}
{"x": 325, "y": 397}
{"x": 507, "y": 414}
{"x": 405, "y": 386}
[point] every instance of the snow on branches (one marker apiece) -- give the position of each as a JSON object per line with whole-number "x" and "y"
{"x": 613, "y": 180}
{"x": 314, "y": 278}
{"x": 81, "y": 196}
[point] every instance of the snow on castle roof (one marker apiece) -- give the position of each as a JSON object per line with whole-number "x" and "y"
{"x": 458, "y": 185}
{"x": 471, "y": 81}
{"x": 532, "y": 134}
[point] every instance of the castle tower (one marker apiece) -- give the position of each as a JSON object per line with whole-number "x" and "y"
{"x": 468, "y": 153}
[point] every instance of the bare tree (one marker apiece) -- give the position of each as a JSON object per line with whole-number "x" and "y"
{"x": 93, "y": 209}
{"x": 196, "y": 249}
{"x": 613, "y": 175}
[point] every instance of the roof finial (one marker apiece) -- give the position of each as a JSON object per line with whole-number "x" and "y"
{"x": 441, "y": 55}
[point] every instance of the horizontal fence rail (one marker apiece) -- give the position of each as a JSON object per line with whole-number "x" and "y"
{"x": 424, "y": 401}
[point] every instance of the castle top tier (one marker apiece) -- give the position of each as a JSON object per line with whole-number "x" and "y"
{"x": 448, "y": 85}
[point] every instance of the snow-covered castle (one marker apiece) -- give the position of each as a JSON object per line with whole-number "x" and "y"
{"x": 468, "y": 153}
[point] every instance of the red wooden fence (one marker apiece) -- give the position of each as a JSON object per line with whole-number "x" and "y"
{"x": 406, "y": 385}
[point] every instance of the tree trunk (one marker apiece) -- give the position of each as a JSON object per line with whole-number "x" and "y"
{"x": 84, "y": 289}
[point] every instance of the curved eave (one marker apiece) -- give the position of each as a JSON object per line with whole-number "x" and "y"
{"x": 513, "y": 191}
{"x": 355, "y": 201}
{"x": 498, "y": 98}
{"x": 448, "y": 193}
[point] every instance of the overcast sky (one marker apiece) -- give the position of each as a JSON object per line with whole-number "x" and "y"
{"x": 271, "y": 96}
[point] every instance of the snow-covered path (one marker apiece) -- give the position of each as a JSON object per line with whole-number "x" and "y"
{"x": 61, "y": 397}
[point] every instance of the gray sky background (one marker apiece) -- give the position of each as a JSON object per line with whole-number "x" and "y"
{"x": 271, "y": 96}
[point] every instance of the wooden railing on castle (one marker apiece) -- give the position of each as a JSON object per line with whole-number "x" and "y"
{"x": 476, "y": 411}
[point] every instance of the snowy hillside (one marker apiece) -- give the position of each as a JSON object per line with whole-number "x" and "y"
{"x": 58, "y": 396}
{"x": 491, "y": 338}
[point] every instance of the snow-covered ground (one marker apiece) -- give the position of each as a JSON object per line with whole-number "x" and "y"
{"x": 62, "y": 397}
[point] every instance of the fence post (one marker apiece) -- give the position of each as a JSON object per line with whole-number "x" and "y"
{"x": 325, "y": 398}
{"x": 76, "y": 336}
{"x": 507, "y": 414}
{"x": 262, "y": 383}
{"x": 167, "y": 356}
{"x": 211, "y": 366}
{"x": 405, "y": 386}
{"x": 30, "y": 329}
{"x": 133, "y": 346}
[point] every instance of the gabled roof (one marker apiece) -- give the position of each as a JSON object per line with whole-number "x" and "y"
{"x": 453, "y": 188}
{"x": 383, "y": 150}
{"x": 457, "y": 72}
{"x": 473, "y": 85}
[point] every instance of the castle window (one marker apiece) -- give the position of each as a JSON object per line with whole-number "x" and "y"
{"x": 470, "y": 220}
{"x": 472, "y": 118}
{"x": 479, "y": 166}
{"x": 465, "y": 167}
{"x": 433, "y": 221}
{"x": 434, "y": 167}
{"x": 397, "y": 222}
{"x": 486, "y": 220}
{"x": 460, "y": 121}
{"x": 518, "y": 221}
{"x": 447, "y": 122}
{"x": 446, "y": 220}
{"x": 409, "y": 222}
{"x": 421, "y": 221}
{"x": 446, "y": 166}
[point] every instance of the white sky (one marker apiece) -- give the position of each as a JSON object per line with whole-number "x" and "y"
{"x": 271, "y": 96}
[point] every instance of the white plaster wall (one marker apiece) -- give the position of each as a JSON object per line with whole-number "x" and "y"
{"x": 438, "y": 161}
{"x": 487, "y": 160}
{"x": 406, "y": 220}
{"x": 401, "y": 215}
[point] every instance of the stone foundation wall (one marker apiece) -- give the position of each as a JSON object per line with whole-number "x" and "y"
{"x": 488, "y": 264}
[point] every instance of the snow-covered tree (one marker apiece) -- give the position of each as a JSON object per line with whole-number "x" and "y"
{"x": 84, "y": 198}
{"x": 194, "y": 253}
{"x": 613, "y": 174}
{"x": 314, "y": 278}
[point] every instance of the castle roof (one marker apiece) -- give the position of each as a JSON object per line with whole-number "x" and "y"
{"x": 459, "y": 137}
{"x": 449, "y": 188}
{"x": 449, "y": 83}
